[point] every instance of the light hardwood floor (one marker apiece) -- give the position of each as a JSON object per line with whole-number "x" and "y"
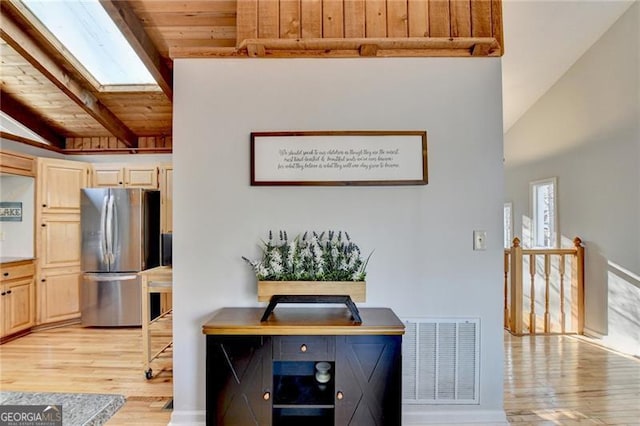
{"x": 549, "y": 380}
{"x": 90, "y": 360}
{"x": 556, "y": 380}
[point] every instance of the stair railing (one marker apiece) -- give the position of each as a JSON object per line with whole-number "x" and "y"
{"x": 547, "y": 274}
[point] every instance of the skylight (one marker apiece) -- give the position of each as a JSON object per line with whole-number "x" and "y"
{"x": 89, "y": 34}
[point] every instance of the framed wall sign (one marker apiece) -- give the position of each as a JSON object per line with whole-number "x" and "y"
{"x": 10, "y": 211}
{"x": 332, "y": 158}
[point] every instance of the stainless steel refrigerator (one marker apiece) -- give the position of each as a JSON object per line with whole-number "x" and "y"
{"x": 120, "y": 237}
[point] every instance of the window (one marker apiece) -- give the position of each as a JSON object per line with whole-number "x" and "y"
{"x": 89, "y": 34}
{"x": 544, "y": 213}
{"x": 508, "y": 224}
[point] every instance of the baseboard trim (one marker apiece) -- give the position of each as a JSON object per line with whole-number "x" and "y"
{"x": 451, "y": 417}
{"x": 188, "y": 418}
{"x": 455, "y": 417}
{"x": 592, "y": 333}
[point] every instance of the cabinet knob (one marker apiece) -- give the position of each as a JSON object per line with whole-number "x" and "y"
{"x": 303, "y": 348}
{"x": 44, "y": 205}
{"x": 3, "y": 293}
{"x": 266, "y": 396}
{"x": 119, "y": 183}
{"x": 6, "y": 274}
{"x": 339, "y": 396}
{"x": 43, "y": 225}
{"x": 9, "y": 292}
{"x": 43, "y": 280}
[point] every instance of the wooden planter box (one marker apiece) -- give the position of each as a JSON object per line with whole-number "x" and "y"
{"x": 356, "y": 289}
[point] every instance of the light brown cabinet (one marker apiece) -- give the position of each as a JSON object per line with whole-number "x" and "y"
{"x": 59, "y": 183}
{"x": 15, "y": 163}
{"x": 17, "y": 298}
{"x": 130, "y": 176}
{"x": 166, "y": 198}
{"x": 59, "y": 295}
{"x": 58, "y": 239}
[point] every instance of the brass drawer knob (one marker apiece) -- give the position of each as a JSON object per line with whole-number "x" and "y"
{"x": 339, "y": 396}
{"x": 266, "y": 396}
{"x": 303, "y": 348}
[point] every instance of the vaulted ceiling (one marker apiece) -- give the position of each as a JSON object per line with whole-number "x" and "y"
{"x": 50, "y": 93}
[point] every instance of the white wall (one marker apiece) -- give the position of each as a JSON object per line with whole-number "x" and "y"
{"x": 585, "y": 131}
{"x": 16, "y": 238}
{"x": 423, "y": 263}
{"x": 9, "y": 145}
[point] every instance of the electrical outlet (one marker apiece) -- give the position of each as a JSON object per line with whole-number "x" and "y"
{"x": 479, "y": 240}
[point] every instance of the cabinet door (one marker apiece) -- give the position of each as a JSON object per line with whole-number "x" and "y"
{"x": 238, "y": 380}
{"x": 141, "y": 177}
{"x": 17, "y": 163}
{"x": 18, "y": 300}
{"x": 59, "y": 184}
{"x": 58, "y": 295}
{"x": 368, "y": 380}
{"x": 60, "y": 241}
{"x": 105, "y": 175}
{"x": 166, "y": 197}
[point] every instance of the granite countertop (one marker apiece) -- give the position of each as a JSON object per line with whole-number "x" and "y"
{"x": 11, "y": 259}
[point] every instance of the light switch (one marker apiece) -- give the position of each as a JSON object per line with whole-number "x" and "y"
{"x": 479, "y": 240}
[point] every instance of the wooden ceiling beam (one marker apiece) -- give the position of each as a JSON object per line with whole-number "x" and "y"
{"x": 373, "y": 46}
{"x": 14, "y": 35}
{"x": 133, "y": 30}
{"x": 30, "y": 119}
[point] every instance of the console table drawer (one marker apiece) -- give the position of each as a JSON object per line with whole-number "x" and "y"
{"x": 302, "y": 348}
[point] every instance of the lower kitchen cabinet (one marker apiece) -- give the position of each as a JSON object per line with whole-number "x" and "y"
{"x": 271, "y": 379}
{"x": 58, "y": 295}
{"x": 17, "y": 298}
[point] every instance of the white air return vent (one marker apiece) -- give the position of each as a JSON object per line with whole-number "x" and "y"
{"x": 440, "y": 361}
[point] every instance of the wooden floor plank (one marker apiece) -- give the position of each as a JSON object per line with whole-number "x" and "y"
{"x": 89, "y": 360}
{"x": 549, "y": 380}
{"x": 563, "y": 380}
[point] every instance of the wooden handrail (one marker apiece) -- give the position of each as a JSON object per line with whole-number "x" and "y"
{"x": 549, "y": 251}
{"x": 552, "y": 274}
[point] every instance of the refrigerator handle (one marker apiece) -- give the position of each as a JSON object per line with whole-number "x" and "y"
{"x": 114, "y": 228}
{"x": 104, "y": 246}
{"x": 109, "y": 229}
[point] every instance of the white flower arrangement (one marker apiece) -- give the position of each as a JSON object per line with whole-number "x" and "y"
{"x": 329, "y": 256}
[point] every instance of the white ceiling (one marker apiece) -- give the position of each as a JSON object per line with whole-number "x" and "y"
{"x": 543, "y": 39}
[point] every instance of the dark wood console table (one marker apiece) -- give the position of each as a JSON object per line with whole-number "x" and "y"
{"x": 264, "y": 372}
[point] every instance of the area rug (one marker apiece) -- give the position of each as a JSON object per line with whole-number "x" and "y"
{"x": 78, "y": 409}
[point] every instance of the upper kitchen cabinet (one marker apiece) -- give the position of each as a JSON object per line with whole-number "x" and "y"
{"x": 130, "y": 176}
{"x": 59, "y": 184}
{"x": 166, "y": 198}
{"x": 14, "y": 163}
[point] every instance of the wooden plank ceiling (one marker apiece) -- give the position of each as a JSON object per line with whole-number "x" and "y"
{"x": 50, "y": 93}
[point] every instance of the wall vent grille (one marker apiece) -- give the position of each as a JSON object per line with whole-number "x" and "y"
{"x": 440, "y": 361}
